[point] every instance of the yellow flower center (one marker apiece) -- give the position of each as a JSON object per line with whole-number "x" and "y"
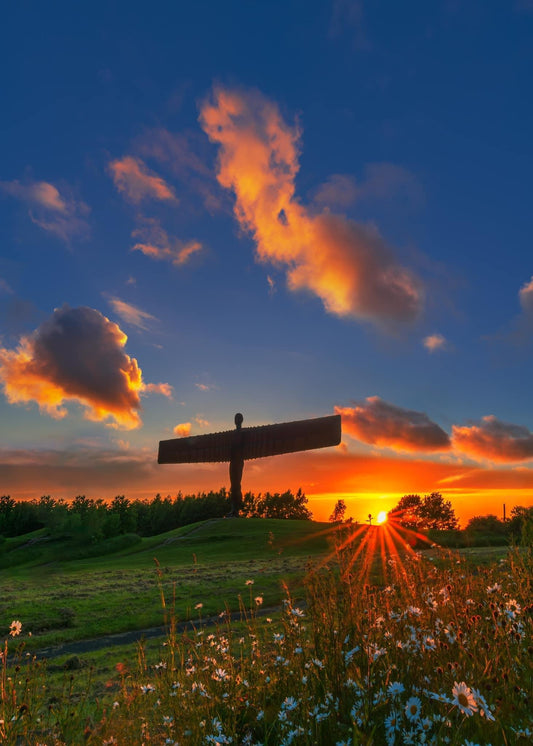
{"x": 462, "y": 699}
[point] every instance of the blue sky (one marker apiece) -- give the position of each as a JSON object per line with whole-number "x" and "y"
{"x": 379, "y": 264}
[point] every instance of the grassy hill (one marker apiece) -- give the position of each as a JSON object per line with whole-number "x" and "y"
{"x": 62, "y": 591}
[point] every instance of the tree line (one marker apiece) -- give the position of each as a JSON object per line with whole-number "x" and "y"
{"x": 433, "y": 513}
{"x": 97, "y": 519}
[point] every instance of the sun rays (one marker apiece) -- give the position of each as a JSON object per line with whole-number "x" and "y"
{"x": 378, "y": 555}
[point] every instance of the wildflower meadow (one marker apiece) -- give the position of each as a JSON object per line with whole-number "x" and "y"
{"x": 384, "y": 647}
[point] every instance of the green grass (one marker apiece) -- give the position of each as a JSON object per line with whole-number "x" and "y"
{"x": 64, "y": 595}
{"x": 425, "y": 650}
{"x": 62, "y": 598}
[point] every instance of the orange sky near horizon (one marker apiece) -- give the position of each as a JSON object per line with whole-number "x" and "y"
{"x": 368, "y": 483}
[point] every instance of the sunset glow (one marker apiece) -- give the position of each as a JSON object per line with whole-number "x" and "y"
{"x": 266, "y": 351}
{"x": 293, "y": 226}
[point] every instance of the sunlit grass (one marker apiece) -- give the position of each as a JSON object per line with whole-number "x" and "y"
{"x": 68, "y": 600}
{"x": 385, "y": 645}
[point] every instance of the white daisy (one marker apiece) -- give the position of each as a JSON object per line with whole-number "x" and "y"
{"x": 464, "y": 698}
{"x": 412, "y": 708}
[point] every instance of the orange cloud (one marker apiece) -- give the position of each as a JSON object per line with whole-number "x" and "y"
{"x": 494, "y": 440}
{"x": 52, "y": 211}
{"x": 159, "y": 388}
{"x": 379, "y": 423}
{"x": 205, "y": 386}
{"x": 183, "y": 429}
{"x": 77, "y": 354}
{"x": 157, "y": 244}
{"x": 178, "y": 256}
{"x": 136, "y": 182}
{"x": 131, "y": 314}
{"x": 346, "y": 264}
{"x": 434, "y": 342}
{"x": 202, "y": 421}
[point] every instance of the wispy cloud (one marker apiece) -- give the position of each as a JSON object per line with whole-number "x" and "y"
{"x": 494, "y": 440}
{"x": 379, "y": 423}
{"x": 340, "y": 190}
{"x": 525, "y": 295}
{"x": 434, "y": 342}
{"x": 77, "y": 354}
{"x": 53, "y": 211}
{"x": 381, "y": 182}
{"x": 346, "y": 264}
{"x": 122, "y": 445}
{"x": 201, "y": 421}
{"x": 205, "y": 386}
{"x": 519, "y": 331}
{"x": 271, "y": 285}
{"x": 36, "y": 193}
{"x": 154, "y": 241}
{"x": 5, "y": 287}
{"x": 348, "y": 17}
{"x": 131, "y": 314}
{"x": 185, "y": 155}
{"x": 136, "y": 182}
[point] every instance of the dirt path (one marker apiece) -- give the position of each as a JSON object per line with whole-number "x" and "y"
{"x": 81, "y": 647}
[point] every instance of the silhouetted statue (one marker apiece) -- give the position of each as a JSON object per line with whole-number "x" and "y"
{"x": 250, "y": 442}
{"x": 236, "y": 466}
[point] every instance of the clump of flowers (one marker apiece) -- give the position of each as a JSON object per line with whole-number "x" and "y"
{"x": 425, "y": 656}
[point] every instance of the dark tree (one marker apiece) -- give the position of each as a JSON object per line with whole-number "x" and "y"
{"x": 17, "y": 517}
{"x": 123, "y": 509}
{"x": 338, "y": 512}
{"x": 521, "y": 524}
{"x": 486, "y": 524}
{"x": 437, "y": 513}
{"x": 430, "y": 512}
{"x": 406, "y": 512}
{"x": 278, "y": 505}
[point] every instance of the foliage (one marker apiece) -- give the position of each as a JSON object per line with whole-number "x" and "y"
{"x": 486, "y": 524}
{"x": 430, "y": 512}
{"x": 521, "y": 525}
{"x": 487, "y": 530}
{"x": 286, "y": 506}
{"x": 428, "y": 658}
{"x": 91, "y": 520}
{"x": 338, "y": 512}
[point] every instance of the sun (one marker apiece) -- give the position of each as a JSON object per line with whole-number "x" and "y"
{"x": 382, "y": 517}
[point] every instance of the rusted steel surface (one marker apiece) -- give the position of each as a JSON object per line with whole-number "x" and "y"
{"x": 257, "y": 442}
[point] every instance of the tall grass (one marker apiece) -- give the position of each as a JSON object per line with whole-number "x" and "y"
{"x": 387, "y": 647}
